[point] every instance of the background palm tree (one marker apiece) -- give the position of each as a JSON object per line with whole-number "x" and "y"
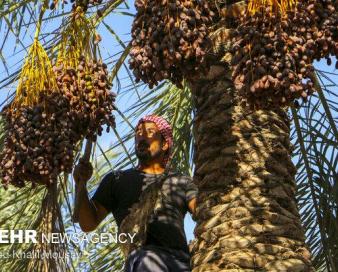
{"x": 211, "y": 114}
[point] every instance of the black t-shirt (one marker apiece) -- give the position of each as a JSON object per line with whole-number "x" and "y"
{"x": 119, "y": 190}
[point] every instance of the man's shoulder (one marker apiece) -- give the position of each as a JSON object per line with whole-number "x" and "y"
{"x": 118, "y": 174}
{"x": 181, "y": 177}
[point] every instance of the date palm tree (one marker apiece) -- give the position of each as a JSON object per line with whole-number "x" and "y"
{"x": 248, "y": 218}
{"x": 267, "y": 193}
{"x": 247, "y": 212}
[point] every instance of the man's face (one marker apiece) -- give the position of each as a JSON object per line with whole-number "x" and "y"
{"x": 149, "y": 143}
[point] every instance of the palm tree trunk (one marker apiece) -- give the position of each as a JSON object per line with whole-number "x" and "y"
{"x": 247, "y": 217}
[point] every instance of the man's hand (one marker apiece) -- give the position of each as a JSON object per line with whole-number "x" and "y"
{"x": 83, "y": 171}
{"x": 192, "y": 207}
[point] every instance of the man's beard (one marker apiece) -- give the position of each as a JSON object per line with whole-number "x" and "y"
{"x": 144, "y": 155}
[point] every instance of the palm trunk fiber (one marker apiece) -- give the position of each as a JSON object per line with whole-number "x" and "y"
{"x": 247, "y": 217}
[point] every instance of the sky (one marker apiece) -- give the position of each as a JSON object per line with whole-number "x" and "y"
{"x": 120, "y": 22}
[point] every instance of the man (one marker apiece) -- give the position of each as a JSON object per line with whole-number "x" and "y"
{"x": 165, "y": 246}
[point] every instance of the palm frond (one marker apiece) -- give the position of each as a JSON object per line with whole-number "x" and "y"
{"x": 316, "y": 156}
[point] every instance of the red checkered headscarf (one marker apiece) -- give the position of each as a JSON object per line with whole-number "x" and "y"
{"x": 165, "y": 129}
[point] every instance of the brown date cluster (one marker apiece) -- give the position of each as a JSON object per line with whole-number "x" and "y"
{"x": 273, "y": 54}
{"x": 88, "y": 90}
{"x": 169, "y": 40}
{"x": 39, "y": 143}
{"x": 41, "y": 139}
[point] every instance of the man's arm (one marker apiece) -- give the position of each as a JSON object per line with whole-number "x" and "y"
{"x": 90, "y": 213}
{"x": 191, "y": 193}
